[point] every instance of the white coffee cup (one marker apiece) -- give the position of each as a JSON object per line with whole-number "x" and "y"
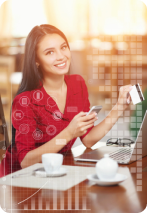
{"x": 52, "y": 162}
{"x": 106, "y": 168}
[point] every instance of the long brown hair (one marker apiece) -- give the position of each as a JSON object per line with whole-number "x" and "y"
{"x": 32, "y": 77}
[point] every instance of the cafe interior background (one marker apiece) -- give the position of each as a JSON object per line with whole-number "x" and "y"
{"x": 108, "y": 41}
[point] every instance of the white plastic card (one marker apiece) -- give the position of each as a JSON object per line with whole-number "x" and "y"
{"x": 136, "y": 94}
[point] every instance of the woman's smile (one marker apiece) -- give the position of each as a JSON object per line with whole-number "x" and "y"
{"x": 61, "y": 65}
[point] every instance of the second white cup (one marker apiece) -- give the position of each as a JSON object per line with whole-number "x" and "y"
{"x": 52, "y": 162}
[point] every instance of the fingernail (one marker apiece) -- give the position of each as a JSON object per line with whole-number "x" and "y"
{"x": 131, "y": 87}
{"x": 95, "y": 113}
{"x": 128, "y": 101}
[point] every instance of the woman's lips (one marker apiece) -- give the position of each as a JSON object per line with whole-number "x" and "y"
{"x": 61, "y": 66}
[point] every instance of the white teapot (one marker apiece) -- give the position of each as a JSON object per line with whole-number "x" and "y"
{"x": 106, "y": 168}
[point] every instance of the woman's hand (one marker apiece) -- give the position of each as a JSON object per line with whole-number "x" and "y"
{"x": 124, "y": 98}
{"x": 80, "y": 123}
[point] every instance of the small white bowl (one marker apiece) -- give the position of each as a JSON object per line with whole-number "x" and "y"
{"x": 106, "y": 168}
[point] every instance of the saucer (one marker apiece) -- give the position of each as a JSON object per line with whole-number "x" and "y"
{"x": 110, "y": 182}
{"x": 42, "y": 173}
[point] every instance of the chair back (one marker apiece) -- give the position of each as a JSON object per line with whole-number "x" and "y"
{"x": 4, "y": 139}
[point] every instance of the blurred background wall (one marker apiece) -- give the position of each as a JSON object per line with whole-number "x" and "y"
{"x": 108, "y": 40}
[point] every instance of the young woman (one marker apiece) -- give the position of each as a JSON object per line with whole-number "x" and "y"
{"x": 49, "y": 111}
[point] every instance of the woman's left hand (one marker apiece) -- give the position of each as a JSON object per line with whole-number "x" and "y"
{"x": 124, "y": 98}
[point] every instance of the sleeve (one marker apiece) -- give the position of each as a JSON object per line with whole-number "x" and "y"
{"x": 23, "y": 120}
{"x": 86, "y": 103}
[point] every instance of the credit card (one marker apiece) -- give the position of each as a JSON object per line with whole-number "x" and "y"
{"x": 136, "y": 94}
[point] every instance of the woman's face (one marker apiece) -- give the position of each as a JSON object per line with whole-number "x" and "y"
{"x": 53, "y": 55}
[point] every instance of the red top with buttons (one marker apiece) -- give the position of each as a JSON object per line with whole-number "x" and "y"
{"x": 37, "y": 119}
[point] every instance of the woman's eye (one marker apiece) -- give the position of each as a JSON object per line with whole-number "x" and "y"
{"x": 64, "y": 47}
{"x": 49, "y": 52}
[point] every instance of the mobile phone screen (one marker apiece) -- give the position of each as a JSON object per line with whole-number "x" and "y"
{"x": 95, "y": 109}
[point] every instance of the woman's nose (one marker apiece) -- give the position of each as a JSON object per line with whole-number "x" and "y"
{"x": 59, "y": 55}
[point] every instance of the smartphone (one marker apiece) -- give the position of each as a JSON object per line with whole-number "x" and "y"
{"x": 94, "y": 109}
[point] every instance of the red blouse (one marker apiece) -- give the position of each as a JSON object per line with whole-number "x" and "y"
{"x": 37, "y": 119}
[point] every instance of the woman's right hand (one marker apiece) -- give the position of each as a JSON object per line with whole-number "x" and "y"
{"x": 80, "y": 123}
